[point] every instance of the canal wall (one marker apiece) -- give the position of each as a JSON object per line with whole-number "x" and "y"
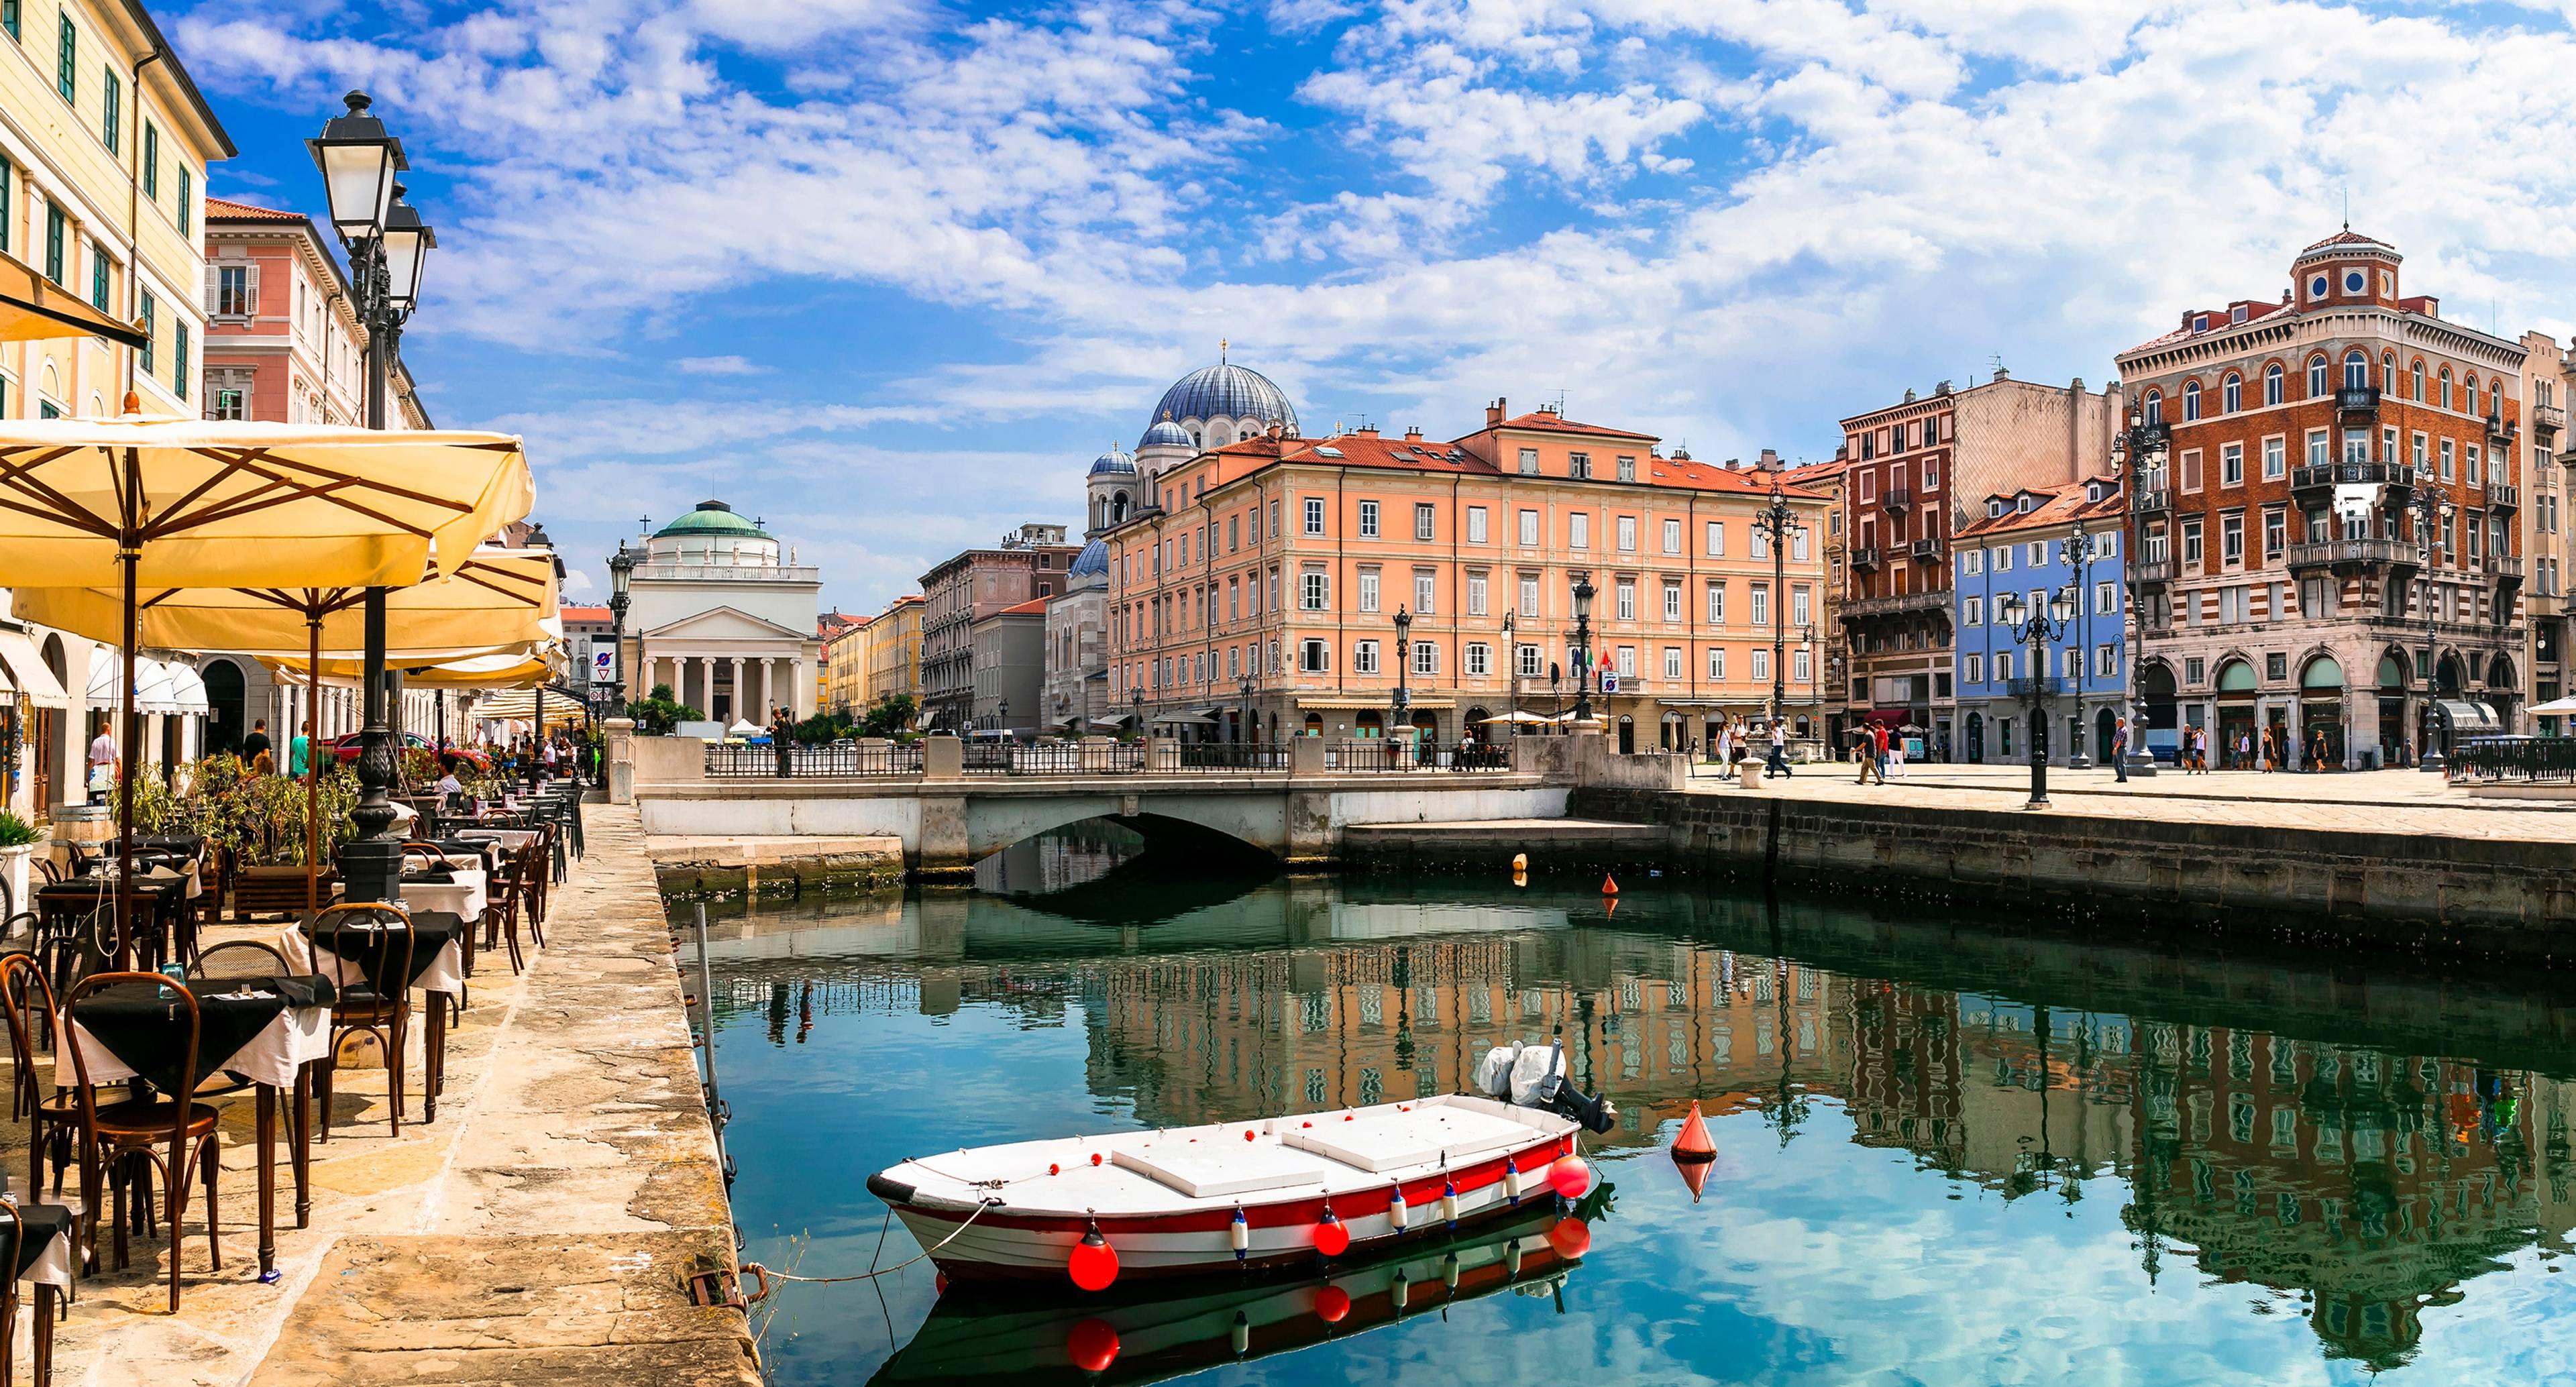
{"x": 2438, "y": 894}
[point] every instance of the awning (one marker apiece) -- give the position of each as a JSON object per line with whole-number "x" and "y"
{"x": 1187, "y": 719}
{"x": 189, "y": 690}
{"x": 521, "y": 705}
{"x": 153, "y": 692}
{"x": 1893, "y": 717}
{"x": 2470, "y": 718}
{"x": 2555, "y": 708}
{"x": 23, "y": 671}
{"x": 1351, "y": 703}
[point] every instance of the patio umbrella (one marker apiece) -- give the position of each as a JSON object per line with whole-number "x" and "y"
{"x": 495, "y": 598}
{"x": 142, "y": 502}
{"x": 33, "y": 307}
{"x": 2554, "y": 708}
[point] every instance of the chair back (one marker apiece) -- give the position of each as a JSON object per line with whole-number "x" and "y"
{"x": 27, "y": 1000}
{"x": 418, "y": 856}
{"x": 242, "y": 959}
{"x": 185, "y": 1030}
{"x": 374, "y": 942}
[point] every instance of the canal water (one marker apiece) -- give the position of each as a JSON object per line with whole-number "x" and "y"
{"x": 1950, "y": 1151}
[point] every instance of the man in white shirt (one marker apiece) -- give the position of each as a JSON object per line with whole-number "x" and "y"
{"x": 103, "y": 764}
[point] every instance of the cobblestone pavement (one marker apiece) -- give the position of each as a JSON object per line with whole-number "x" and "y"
{"x": 2401, "y": 801}
{"x": 539, "y": 1231}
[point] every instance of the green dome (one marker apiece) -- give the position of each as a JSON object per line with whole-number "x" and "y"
{"x": 712, "y": 518}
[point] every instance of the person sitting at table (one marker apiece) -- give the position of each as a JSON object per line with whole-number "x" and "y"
{"x": 449, "y": 787}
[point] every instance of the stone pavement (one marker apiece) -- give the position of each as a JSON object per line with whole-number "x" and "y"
{"x": 2397, "y": 801}
{"x": 540, "y": 1231}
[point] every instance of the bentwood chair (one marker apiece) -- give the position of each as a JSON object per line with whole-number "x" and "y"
{"x": 170, "y": 1134}
{"x": 13, "y": 1241}
{"x": 53, "y": 1123}
{"x": 369, "y": 957}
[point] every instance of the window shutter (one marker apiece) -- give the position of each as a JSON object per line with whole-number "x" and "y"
{"x": 214, "y": 286}
{"x": 250, "y": 289}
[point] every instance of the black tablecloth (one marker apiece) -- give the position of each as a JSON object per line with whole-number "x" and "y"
{"x": 39, "y": 1224}
{"x": 141, "y": 1024}
{"x": 432, "y": 931}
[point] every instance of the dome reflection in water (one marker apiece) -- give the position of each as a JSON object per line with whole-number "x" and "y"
{"x": 1948, "y": 1150}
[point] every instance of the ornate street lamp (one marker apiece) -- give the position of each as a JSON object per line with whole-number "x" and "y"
{"x": 2431, "y": 511}
{"x": 1511, "y": 680}
{"x": 621, "y": 572}
{"x": 1243, "y": 712}
{"x": 2138, "y": 455}
{"x": 1403, "y": 657}
{"x": 1583, "y": 648}
{"x": 388, "y": 245}
{"x": 2076, "y": 552}
{"x": 2036, "y": 630}
{"x": 1775, "y": 522}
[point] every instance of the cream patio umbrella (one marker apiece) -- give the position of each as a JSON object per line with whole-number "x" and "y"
{"x": 34, "y": 307}
{"x": 138, "y": 502}
{"x": 497, "y": 598}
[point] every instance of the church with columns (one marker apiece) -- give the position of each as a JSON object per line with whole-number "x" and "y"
{"x": 719, "y": 615}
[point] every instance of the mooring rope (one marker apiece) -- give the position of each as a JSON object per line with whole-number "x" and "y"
{"x": 766, "y": 1275}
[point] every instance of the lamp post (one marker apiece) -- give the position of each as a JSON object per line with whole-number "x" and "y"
{"x": 2035, "y": 631}
{"x": 1815, "y": 690}
{"x": 621, "y": 573}
{"x": 1243, "y": 711}
{"x": 1136, "y": 700}
{"x": 1775, "y": 523}
{"x": 1511, "y": 680}
{"x": 1403, "y": 656}
{"x": 387, "y": 244}
{"x": 2138, "y": 456}
{"x": 2431, "y": 511}
{"x": 1002, "y": 718}
{"x": 1583, "y": 649}
{"x": 2076, "y": 552}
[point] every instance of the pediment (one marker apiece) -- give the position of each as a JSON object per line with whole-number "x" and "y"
{"x": 724, "y": 623}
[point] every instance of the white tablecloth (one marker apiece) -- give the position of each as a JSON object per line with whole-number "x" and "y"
{"x": 270, "y": 1057}
{"x": 446, "y": 973}
{"x": 511, "y": 838}
{"x": 463, "y": 897}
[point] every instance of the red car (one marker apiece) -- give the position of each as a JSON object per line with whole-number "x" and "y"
{"x": 346, "y": 746}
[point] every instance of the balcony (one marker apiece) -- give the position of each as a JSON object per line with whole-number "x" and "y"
{"x": 1901, "y": 603}
{"x": 2346, "y": 554}
{"x": 1865, "y": 557}
{"x": 2357, "y": 400}
{"x": 2155, "y": 571}
{"x": 2546, "y": 421}
{"x": 2040, "y": 688}
{"x": 1898, "y": 500}
{"x": 2498, "y": 429}
{"x": 2154, "y": 500}
{"x": 1927, "y": 549}
{"x": 2503, "y": 497}
{"x": 2504, "y": 566}
{"x": 2325, "y": 476}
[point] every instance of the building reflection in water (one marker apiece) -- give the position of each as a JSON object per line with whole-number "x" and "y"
{"x": 2336, "y": 1160}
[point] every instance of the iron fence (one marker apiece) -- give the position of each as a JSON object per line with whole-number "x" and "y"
{"x": 1075, "y": 758}
{"x": 735, "y": 762}
{"x": 2516, "y": 758}
{"x": 1367, "y": 755}
{"x": 1221, "y": 756}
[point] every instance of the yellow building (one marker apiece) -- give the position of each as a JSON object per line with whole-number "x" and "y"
{"x": 840, "y": 677}
{"x": 1268, "y": 573}
{"x": 890, "y": 654}
{"x": 104, "y": 142}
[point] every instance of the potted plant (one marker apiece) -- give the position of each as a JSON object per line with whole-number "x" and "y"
{"x": 18, "y": 843}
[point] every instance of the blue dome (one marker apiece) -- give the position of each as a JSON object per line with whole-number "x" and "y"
{"x": 1094, "y": 558}
{"x": 1228, "y": 390}
{"x": 1116, "y": 460}
{"x": 1166, "y": 434}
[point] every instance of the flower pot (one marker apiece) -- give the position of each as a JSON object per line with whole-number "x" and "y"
{"x": 14, "y": 870}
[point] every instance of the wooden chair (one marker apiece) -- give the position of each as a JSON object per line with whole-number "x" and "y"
{"x": 53, "y": 1124}
{"x": 385, "y": 952}
{"x": 118, "y": 1138}
{"x": 13, "y": 1235}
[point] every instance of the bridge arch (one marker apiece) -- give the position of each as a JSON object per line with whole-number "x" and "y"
{"x": 1210, "y": 822}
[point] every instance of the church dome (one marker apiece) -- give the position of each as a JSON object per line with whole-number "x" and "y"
{"x": 1116, "y": 461}
{"x": 1094, "y": 558}
{"x": 714, "y": 519}
{"x": 1165, "y": 434}
{"x": 1226, "y": 391}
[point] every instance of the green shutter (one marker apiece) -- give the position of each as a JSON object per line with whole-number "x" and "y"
{"x": 151, "y": 162}
{"x": 98, "y": 276}
{"x": 9, "y": 17}
{"x": 8, "y": 202}
{"x": 149, "y": 310}
{"x": 66, "y": 70}
{"x": 187, "y": 213}
{"x": 111, "y": 100}
{"x": 179, "y": 361}
{"x": 53, "y": 243}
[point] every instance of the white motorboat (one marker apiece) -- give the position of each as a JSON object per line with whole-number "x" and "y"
{"x": 1276, "y": 1192}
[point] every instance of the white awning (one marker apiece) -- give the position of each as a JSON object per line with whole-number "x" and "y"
{"x": 189, "y": 689}
{"x": 2470, "y": 718}
{"x": 23, "y": 671}
{"x": 153, "y": 692}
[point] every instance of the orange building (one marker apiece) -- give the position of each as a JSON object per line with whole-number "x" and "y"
{"x": 1262, "y": 579}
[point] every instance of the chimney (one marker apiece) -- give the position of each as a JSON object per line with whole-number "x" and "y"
{"x": 1413, "y": 434}
{"x": 1366, "y": 431}
{"x": 2002, "y": 374}
{"x": 1494, "y": 413}
{"x": 1771, "y": 459}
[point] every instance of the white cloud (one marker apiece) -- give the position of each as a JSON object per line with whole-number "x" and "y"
{"x": 718, "y": 366}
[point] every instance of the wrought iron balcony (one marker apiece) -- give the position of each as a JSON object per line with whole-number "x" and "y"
{"x": 1903, "y": 602}
{"x": 2050, "y": 687}
{"x": 2153, "y": 500}
{"x": 1898, "y": 500}
{"x": 2357, "y": 399}
{"x": 1927, "y": 548}
{"x": 2323, "y": 476}
{"x": 2350, "y": 553}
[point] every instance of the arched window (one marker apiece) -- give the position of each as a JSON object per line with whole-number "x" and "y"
{"x": 2275, "y": 382}
{"x": 2356, "y": 370}
{"x": 2232, "y": 396}
{"x": 2316, "y": 377}
{"x": 2443, "y": 385}
{"x": 2388, "y": 374}
{"x": 2419, "y": 382}
{"x": 2190, "y": 401}
{"x": 2153, "y": 406}
{"x": 2495, "y": 398}
{"x": 2469, "y": 394}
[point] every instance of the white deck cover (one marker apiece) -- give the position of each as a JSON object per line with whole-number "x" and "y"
{"x": 1426, "y": 1134}
{"x": 1215, "y": 1170}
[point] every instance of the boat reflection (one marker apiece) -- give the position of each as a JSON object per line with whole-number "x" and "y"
{"x": 997, "y": 1335}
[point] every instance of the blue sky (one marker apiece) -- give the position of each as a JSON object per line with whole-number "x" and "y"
{"x": 889, "y": 273}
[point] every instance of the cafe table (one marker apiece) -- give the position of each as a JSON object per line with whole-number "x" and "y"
{"x": 437, "y": 968}
{"x": 262, "y": 1031}
{"x": 44, "y": 1243}
{"x": 91, "y": 900}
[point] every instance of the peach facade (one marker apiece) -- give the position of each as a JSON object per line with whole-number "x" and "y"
{"x": 282, "y": 342}
{"x": 1284, "y": 561}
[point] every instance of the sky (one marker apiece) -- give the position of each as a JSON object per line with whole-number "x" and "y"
{"x": 888, "y": 274}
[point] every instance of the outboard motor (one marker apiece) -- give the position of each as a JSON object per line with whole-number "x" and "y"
{"x": 1536, "y": 1079}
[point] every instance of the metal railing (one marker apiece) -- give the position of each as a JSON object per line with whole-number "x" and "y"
{"x": 1898, "y": 498}
{"x": 1221, "y": 756}
{"x": 1366, "y": 755}
{"x": 1070, "y": 758}
{"x": 733, "y": 762}
{"x": 1927, "y": 548}
{"x": 2320, "y": 553}
{"x": 2540, "y": 759}
{"x": 2357, "y": 399}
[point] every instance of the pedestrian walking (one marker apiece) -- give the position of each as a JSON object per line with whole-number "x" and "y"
{"x": 2318, "y": 752}
{"x": 2120, "y": 750}
{"x": 1867, "y": 754}
{"x": 103, "y": 764}
{"x": 1779, "y": 753}
{"x": 1895, "y": 759}
{"x": 256, "y": 744}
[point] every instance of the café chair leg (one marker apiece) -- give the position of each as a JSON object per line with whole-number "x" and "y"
{"x": 8, "y": 1334}
{"x": 47, "y": 1298}
{"x": 214, "y": 1248}
{"x": 394, "y": 1065}
{"x": 323, "y": 1071}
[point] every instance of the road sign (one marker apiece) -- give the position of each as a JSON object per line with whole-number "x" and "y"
{"x": 1609, "y": 683}
{"x": 603, "y": 666}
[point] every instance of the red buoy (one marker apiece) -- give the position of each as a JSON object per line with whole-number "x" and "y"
{"x": 1570, "y": 1176}
{"x": 1092, "y": 1346}
{"x": 1331, "y": 1303}
{"x": 1609, "y": 884}
{"x": 1093, "y": 1263}
{"x": 1332, "y": 1236}
{"x": 1571, "y": 1237}
{"x": 1693, "y": 1143}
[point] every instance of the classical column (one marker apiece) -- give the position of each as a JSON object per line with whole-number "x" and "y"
{"x": 802, "y": 699}
{"x": 740, "y": 709}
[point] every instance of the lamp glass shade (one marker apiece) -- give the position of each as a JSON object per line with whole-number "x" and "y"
{"x": 2009, "y": 608}
{"x": 407, "y": 245}
{"x": 2063, "y": 605}
{"x": 1582, "y": 599}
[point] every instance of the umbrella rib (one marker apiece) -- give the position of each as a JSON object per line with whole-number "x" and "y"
{"x": 75, "y": 518}
{"x": 23, "y": 478}
{"x": 247, "y": 458}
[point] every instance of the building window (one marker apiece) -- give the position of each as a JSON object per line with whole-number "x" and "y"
{"x": 1314, "y": 590}
{"x": 2231, "y": 465}
{"x": 1578, "y": 466}
{"x": 55, "y": 231}
{"x": 151, "y": 161}
{"x": 1314, "y": 515}
{"x": 1364, "y": 658}
{"x": 232, "y": 291}
{"x": 1973, "y": 669}
{"x": 98, "y": 276}
{"x": 1972, "y": 611}
{"x": 110, "y": 106}
{"x": 1529, "y": 462}
{"x": 187, "y": 213}
{"x": 1672, "y": 536}
{"x": 1627, "y": 531}
{"x": 2276, "y": 532}
{"x": 2153, "y": 406}
{"x": 1424, "y": 583}
{"x": 66, "y": 66}
{"x": 1761, "y": 604}
{"x": 1426, "y": 657}
{"x": 1480, "y": 659}
{"x": 2190, "y": 401}
{"x": 1673, "y": 662}
{"x": 2275, "y": 459}
{"x": 2231, "y": 540}
{"x": 1475, "y": 524}
{"x": 1627, "y": 469}
{"x": 1761, "y": 665}
{"x": 1311, "y": 658}
{"x": 1527, "y": 661}
{"x": 1368, "y": 590}
{"x": 1529, "y": 529}
{"x": 2003, "y": 557}
{"x": 1422, "y": 520}
{"x": 1578, "y": 531}
{"x": 2191, "y": 543}
{"x": 1626, "y": 663}
{"x": 1798, "y": 605}
{"x": 2418, "y": 380}
{"x": 1368, "y": 519}
{"x": 1717, "y": 664}
{"x": 1716, "y": 539}
{"x": 179, "y": 359}
{"x": 1627, "y": 608}
{"x": 150, "y": 311}
{"x": 1475, "y": 594}
{"x": 1529, "y": 594}
{"x": 9, "y": 17}
{"x": 2272, "y": 383}
{"x": 2316, "y": 377}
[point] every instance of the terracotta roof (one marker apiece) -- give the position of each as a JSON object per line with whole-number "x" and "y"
{"x": 1409, "y": 454}
{"x": 1701, "y": 476}
{"x": 2066, "y": 502}
{"x": 225, "y": 209}
{"x": 2219, "y": 321}
{"x": 1034, "y": 606}
{"x": 572, "y": 613}
{"x": 1546, "y": 422}
{"x": 2345, "y": 237}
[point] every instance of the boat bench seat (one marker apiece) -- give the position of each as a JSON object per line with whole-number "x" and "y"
{"x": 1424, "y": 1135}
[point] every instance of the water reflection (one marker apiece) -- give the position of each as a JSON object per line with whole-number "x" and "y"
{"x": 2357, "y": 1149}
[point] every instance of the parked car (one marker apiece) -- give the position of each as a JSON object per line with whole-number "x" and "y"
{"x": 346, "y": 745}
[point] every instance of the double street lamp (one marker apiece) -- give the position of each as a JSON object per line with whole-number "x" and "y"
{"x": 1583, "y": 649}
{"x": 2036, "y": 628}
{"x": 2076, "y": 552}
{"x": 1511, "y": 680}
{"x": 621, "y": 573}
{"x": 1401, "y": 715}
{"x": 2138, "y": 457}
{"x": 1776, "y": 522}
{"x": 387, "y": 244}
{"x": 2432, "y": 512}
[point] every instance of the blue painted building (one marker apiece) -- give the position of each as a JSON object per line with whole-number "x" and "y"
{"x": 2021, "y": 547}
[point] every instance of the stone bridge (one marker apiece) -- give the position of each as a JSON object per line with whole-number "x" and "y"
{"x": 947, "y": 817}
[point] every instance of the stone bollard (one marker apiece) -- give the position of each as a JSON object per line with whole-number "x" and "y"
{"x": 1306, "y": 756}
{"x": 621, "y": 759}
{"x": 943, "y": 757}
{"x": 1749, "y": 772}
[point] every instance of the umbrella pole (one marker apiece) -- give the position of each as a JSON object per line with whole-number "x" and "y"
{"x": 129, "y": 555}
{"x": 313, "y": 761}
